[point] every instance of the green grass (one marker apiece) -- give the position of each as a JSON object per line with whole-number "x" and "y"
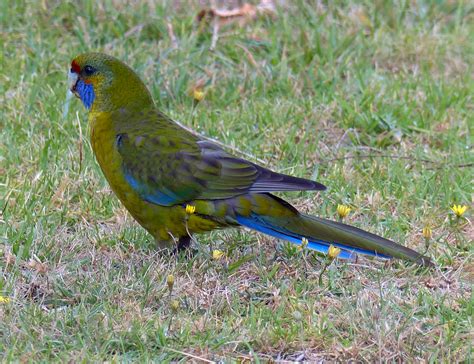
{"x": 375, "y": 100}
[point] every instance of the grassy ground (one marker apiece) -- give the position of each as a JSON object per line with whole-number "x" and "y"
{"x": 373, "y": 100}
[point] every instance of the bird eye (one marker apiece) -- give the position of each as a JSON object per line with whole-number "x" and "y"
{"x": 89, "y": 70}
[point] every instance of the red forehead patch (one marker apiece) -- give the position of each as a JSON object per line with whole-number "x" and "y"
{"x": 75, "y": 67}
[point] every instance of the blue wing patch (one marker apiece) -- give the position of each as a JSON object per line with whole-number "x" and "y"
{"x": 167, "y": 198}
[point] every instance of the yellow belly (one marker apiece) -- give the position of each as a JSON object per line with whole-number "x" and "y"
{"x": 166, "y": 224}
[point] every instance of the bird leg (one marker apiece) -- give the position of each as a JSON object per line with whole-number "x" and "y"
{"x": 183, "y": 243}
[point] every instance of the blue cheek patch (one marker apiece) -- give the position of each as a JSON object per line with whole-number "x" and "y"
{"x": 86, "y": 93}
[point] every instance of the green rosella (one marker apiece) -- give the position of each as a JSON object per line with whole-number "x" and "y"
{"x": 176, "y": 184}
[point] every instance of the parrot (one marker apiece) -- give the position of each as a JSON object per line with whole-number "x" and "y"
{"x": 176, "y": 184}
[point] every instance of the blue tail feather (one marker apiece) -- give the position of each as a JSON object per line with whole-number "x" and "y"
{"x": 257, "y": 223}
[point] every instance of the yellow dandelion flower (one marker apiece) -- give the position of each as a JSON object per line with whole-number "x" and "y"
{"x": 459, "y": 210}
{"x": 4, "y": 299}
{"x": 333, "y": 252}
{"x": 190, "y": 209}
{"x": 427, "y": 233}
{"x": 343, "y": 211}
{"x": 170, "y": 282}
{"x": 198, "y": 94}
{"x": 217, "y": 254}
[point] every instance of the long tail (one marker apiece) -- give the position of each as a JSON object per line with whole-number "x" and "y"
{"x": 321, "y": 233}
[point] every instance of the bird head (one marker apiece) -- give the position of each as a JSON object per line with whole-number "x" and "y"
{"x": 103, "y": 83}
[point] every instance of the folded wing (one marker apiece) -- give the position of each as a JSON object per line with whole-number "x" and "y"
{"x": 171, "y": 166}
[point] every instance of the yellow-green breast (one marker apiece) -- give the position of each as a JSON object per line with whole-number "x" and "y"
{"x": 162, "y": 222}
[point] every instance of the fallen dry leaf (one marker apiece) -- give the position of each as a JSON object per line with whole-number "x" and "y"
{"x": 242, "y": 15}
